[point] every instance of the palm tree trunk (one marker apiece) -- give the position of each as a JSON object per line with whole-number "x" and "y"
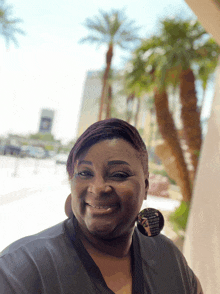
{"x": 109, "y": 102}
{"x": 169, "y": 133}
{"x": 109, "y": 56}
{"x": 202, "y": 102}
{"x": 130, "y": 99}
{"x": 137, "y": 112}
{"x": 190, "y": 115}
{"x": 151, "y": 124}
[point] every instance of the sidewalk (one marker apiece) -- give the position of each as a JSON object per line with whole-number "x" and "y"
{"x": 30, "y": 203}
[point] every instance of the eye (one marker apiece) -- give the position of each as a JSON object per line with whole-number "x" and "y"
{"x": 84, "y": 174}
{"x": 120, "y": 175}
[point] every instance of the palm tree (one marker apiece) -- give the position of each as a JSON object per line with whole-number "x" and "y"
{"x": 180, "y": 47}
{"x": 170, "y": 135}
{"x": 109, "y": 102}
{"x": 129, "y": 104}
{"x": 145, "y": 75}
{"x": 9, "y": 25}
{"x": 150, "y": 105}
{"x": 134, "y": 87}
{"x": 137, "y": 112}
{"x": 180, "y": 40}
{"x": 205, "y": 70}
{"x": 170, "y": 59}
{"x": 113, "y": 29}
{"x": 109, "y": 97}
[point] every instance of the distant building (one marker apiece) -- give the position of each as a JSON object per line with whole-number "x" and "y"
{"x": 46, "y": 121}
{"x": 91, "y": 102}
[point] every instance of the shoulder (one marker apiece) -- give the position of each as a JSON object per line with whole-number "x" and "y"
{"x": 32, "y": 252}
{"x": 162, "y": 256}
{"x": 162, "y": 250}
{"x": 40, "y": 239}
{"x": 28, "y": 261}
{"x": 158, "y": 246}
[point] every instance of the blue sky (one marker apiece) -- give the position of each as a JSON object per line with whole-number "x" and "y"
{"x": 49, "y": 67}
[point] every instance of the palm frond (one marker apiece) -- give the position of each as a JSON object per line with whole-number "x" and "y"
{"x": 111, "y": 27}
{"x": 9, "y": 26}
{"x": 178, "y": 45}
{"x": 96, "y": 26}
{"x": 91, "y": 39}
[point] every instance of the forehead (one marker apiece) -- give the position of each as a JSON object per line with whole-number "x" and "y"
{"x": 110, "y": 149}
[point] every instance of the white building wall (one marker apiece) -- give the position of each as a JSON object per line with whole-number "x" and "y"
{"x": 202, "y": 243}
{"x": 90, "y": 101}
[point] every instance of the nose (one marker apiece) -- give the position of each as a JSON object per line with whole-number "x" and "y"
{"x": 99, "y": 186}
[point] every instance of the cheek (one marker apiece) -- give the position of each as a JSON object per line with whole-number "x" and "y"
{"x": 76, "y": 188}
{"x": 77, "y": 192}
{"x": 132, "y": 192}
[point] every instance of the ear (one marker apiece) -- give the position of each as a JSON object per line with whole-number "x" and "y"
{"x": 146, "y": 185}
{"x": 67, "y": 207}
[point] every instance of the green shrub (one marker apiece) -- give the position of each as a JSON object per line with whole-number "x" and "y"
{"x": 179, "y": 218}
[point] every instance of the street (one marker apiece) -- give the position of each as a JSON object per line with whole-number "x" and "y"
{"x": 31, "y": 201}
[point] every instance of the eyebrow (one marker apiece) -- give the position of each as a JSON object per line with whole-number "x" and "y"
{"x": 110, "y": 163}
{"x": 115, "y": 162}
{"x": 84, "y": 162}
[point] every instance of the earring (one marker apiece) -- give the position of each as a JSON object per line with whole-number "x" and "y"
{"x": 150, "y": 222}
{"x": 67, "y": 207}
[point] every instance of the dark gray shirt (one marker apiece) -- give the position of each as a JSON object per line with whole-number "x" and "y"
{"x": 55, "y": 261}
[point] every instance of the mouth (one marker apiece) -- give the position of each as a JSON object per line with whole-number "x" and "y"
{"x": 102, "y": 209}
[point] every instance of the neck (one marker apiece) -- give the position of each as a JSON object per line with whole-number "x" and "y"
{"x": 118, "y": 247}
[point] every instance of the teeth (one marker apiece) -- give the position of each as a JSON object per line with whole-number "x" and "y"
{"x": 100, "y": 207}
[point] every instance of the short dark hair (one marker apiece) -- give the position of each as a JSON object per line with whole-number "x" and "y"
{"x": 106, "y": 130}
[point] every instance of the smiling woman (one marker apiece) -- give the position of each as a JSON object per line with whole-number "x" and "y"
{"x": 108, "y": 181}
{"x": 99, "y": 249}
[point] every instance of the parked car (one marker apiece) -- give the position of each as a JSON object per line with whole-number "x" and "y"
{"x": 52, "y": 154}
{"x": 25, "y": 151}
{"x": 61, "y": 158}
{"x": 37, "y": 152}
{"x": 11, "y": 150}
{"x": 46, "y": 154}
{"x": 2, "y": 148}
{"x": 32, "y": 151}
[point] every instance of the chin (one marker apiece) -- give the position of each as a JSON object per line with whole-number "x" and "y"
{"x": 104, "y": 236}
{"x": 103, "y": 233}
{"x": 109, "y": 233}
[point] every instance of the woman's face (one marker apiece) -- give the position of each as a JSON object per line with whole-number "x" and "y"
{"x": 108, "y": 188}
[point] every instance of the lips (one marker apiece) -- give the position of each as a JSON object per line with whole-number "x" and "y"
{"x": 102, "y": 208}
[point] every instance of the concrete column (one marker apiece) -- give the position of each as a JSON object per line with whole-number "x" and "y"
{"x": 202, "y": 243}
